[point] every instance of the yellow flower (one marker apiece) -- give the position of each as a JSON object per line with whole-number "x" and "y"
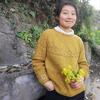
{"x": 71, "y": 76}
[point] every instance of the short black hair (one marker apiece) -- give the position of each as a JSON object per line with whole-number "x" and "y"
{"x": 60, "y": 6}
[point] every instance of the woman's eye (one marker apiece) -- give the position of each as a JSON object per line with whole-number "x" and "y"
{"x": 65, "y": 13}
{"x": 73, "y": 14}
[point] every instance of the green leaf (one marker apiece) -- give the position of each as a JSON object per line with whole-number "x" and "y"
{"x": 74, "y": 73}
{"x": 6, "y": 1}
{"x": 32, "y": 13}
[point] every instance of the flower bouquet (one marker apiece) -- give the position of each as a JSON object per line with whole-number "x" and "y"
{"x": 72, "y": 76}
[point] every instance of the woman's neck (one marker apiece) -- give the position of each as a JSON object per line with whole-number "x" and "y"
{"x": 67, "y": 29}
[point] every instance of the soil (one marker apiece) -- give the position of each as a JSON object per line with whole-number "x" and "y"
{"x": 93, "y": 81}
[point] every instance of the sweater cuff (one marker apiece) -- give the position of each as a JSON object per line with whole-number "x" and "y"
{"x": 85, "y": 76}
{"x": 43, "y": 79}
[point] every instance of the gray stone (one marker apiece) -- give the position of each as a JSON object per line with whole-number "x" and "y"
{"x": 22, "y": 26}
{"x": 97, "y": 49}
{"x": 92, "y": 90}
{"x": 87, "y": 52}
{"x": 5, "y": 26}
{"x": 29, "y": 88}
{"x": 8, "y": 54}
{"x": 18, "y": 82}
{"x": 12, "y": 49}
{"x": 22, "y": 87}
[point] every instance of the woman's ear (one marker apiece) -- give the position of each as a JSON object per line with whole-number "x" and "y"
{"x": 57, "y": 18}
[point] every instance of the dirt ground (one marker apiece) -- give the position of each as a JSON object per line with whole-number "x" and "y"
{"x": 93, "y": 81}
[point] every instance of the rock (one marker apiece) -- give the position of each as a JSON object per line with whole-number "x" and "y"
{"x": 98, "y": 80}
{"x": 10, "y": 55}
{"x": 12, "y": 10}
{"x": 87, "y": 52}
{"x": 97, "y": 50}
{"x": 3, "y": 68}
{"x": 20, "y": 85}
{"x": 5, "y": 26}
{"x": 12, "y": 50}
{"x": 98, "y": 87}
{"x": 93, "y": 97}
{"x": 22, "y": 88}
{"x": 29, "y": 88}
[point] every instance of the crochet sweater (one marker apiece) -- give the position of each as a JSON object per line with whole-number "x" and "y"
{"x": 53, "y": 52}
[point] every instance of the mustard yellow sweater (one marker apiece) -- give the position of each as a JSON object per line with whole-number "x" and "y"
{"x": 54, "y": 51}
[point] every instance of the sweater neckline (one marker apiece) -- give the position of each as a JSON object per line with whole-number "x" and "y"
{"x": 57, "y": 28}
{"x": 63, "y": 34}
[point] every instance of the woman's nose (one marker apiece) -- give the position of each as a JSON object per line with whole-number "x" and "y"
{"x": 69, "y": 16}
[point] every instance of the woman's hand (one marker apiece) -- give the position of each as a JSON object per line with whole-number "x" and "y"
{"x": 77, "y": 85}
{"x": 49, "y": 86}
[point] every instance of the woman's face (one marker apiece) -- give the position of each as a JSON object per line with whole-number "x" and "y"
{"x": 67, "y": 17}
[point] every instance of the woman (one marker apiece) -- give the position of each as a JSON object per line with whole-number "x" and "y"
{"x": 56, "y": 49}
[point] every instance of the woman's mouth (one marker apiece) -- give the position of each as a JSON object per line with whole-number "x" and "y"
{"x": 69, "y": 21}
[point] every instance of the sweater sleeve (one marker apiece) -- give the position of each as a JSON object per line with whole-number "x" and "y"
{"x": 82, "y": 60}
{"x": 38, "y": 60}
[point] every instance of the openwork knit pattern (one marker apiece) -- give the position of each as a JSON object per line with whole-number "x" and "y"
{"x": 54, "y": 51}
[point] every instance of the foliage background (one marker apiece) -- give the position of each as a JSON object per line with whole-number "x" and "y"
{"x": 43, "y": 13}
